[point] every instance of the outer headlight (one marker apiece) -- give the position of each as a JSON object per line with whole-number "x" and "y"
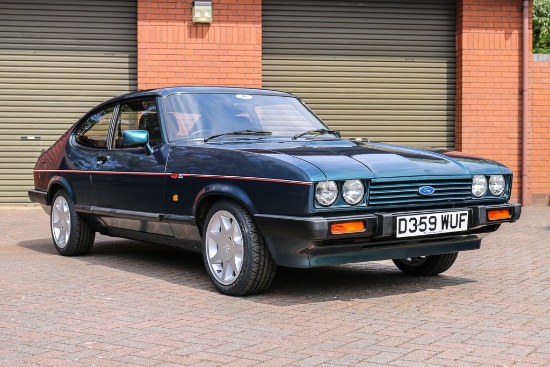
{"x": 326, "y": 193}
{"x": 496, "y": 185}
{"x": 479, "y": 186}
{"x": 353, "y": 191}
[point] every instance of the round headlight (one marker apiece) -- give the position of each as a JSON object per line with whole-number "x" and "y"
{"x": 479, "y": 186}
{"x": 496, "y": 185}
{"x": 353, "y": 191}
{"x": 326, "y": 193}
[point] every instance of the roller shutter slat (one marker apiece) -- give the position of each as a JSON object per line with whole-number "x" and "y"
{"x": 58, "y": 59}
{"x": 378, "y": 70}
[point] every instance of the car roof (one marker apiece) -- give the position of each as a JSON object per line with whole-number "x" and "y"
{"x": 175, "y": 90}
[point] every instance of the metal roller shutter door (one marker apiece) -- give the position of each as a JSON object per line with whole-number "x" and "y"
{"x": 383, "y": 70}
{"x": 58, "y": 59}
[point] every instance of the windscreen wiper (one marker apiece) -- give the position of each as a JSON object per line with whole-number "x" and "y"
{"x": 318, "y": 131}
{"x": 240, "y": 132}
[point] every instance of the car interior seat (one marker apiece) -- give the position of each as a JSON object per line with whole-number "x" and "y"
{"x": 150, "y": 122}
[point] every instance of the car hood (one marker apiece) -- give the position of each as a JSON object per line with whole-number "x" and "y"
{"x": 343, "y": 159}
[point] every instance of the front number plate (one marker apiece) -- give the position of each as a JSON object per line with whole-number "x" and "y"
{"x": 433, "y": 223}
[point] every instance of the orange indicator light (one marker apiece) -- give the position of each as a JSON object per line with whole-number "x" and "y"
{"x": 347, "y": 227}
{"x": 175, "y": 198}
{"x": 496, "y": 214}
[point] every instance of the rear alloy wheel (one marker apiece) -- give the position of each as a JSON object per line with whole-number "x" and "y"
{"x": 426, "y": 265}
{"x": 235, "y": 256}
{"x": 71, "y": 235}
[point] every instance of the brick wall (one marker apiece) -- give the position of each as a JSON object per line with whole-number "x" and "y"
{"x": 539, "y": 137}
{"x": 489, "y": 99}
{"x": 489, "y": 81}
{"x": 174, "y": 51}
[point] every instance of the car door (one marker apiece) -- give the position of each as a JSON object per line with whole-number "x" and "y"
{"x": 90, "y": 139}
{"x": 128, "y": 182}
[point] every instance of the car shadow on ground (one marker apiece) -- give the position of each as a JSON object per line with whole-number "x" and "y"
{"x": 291, "y": 286}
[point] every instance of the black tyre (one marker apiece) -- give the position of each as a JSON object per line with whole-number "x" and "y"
{"x": 71, "y": 235}
{"x": 235, "y": 255}
{"x": 426, "y": 265}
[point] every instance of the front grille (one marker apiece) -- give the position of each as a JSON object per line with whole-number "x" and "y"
{"x": 405, "y": 192}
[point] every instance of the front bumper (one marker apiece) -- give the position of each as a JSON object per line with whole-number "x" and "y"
{"x": 308, "y": 241}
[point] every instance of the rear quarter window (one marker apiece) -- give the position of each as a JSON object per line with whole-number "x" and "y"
{"x": 93, "y": 132}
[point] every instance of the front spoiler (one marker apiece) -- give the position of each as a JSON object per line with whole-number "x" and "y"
{"x": 333, "y": 255}
{"x": 307, "y": 241}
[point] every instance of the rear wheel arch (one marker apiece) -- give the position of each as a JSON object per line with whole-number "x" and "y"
{"x": 58, "y": 183}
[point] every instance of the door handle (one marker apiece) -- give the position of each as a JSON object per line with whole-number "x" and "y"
{"x": 101, "y": 159}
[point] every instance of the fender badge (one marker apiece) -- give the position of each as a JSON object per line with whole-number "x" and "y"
{"x": 426, "y": 190}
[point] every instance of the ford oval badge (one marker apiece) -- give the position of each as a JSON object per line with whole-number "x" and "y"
{"x": 426, "y": 190}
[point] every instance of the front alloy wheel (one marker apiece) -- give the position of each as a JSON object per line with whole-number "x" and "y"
{"x": 426, "y": 265}
{"x": 235, "y": 255}
{"x": 224, "y": 247}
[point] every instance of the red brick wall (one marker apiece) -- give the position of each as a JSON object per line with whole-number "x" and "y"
{"x": 489, "y": 99}
{"x": 174, "y": 51}
{"x": 489, "y": 81}
{"x": 539, "y": 137}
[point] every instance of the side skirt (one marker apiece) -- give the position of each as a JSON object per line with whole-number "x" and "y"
{"x": 189, "y": 245}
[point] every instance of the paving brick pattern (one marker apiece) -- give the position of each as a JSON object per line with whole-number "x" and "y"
{"x": 137, "y": 304}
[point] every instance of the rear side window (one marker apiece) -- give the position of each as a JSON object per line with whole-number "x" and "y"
{"x": 94, "y": 131}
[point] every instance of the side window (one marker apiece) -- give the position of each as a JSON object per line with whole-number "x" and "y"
{"x": 94, "y": 131}
{"x": 139, "y": 115}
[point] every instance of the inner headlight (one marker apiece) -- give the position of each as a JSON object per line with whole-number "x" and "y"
{"x": 353, "y": 191}
{"x": 479, "y": 186}
{"x": 496, "y": 185}
{"x": 326, "y": 193}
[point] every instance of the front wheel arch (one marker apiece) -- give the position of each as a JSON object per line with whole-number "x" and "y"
{"x": 212, "y": 193}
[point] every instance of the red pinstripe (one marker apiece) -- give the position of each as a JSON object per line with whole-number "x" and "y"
{"x": 263, "y": 179}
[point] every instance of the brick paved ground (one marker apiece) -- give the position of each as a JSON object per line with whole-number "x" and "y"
{"x": 137, "y": 304}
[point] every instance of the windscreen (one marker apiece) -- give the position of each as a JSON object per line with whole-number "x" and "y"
{"x": 200, "y": 115}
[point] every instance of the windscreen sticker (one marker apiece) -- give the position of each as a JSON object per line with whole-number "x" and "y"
{"x": 243, "y": 96}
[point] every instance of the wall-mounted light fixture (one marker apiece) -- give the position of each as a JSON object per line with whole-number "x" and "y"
{"x": 202, "y": 11}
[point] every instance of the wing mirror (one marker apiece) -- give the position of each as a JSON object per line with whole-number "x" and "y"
{"x": 136, "y": 138}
